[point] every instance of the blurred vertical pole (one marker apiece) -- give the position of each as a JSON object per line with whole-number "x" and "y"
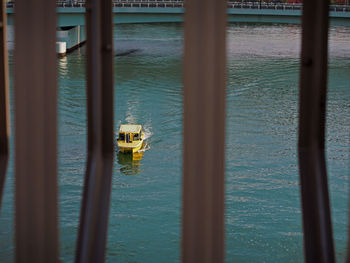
{"x": 204, "y": 131}
{"x": 348, "y": 245}
{"x": 35, "y": 94}
{"x": 318, "y": 240}
{"x": 95, "y": 206}
{"x": 4, "y": 100}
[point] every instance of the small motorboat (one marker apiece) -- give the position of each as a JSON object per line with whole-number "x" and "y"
{"x": 130, "y": 138}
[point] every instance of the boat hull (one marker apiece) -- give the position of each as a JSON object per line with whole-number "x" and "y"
{"x": 130, "y": 149}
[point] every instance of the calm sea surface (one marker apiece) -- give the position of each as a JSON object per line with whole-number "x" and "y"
{"x": 263, "y": 217}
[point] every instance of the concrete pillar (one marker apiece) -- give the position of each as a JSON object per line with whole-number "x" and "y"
{"x": 61, "y": 49}
{"x": 73, "y": 37}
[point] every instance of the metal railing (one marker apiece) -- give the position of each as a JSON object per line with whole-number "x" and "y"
{"x": 150, "y": 4}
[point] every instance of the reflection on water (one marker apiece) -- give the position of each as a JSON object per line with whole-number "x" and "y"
{"x": 62, "y": 66}
{"x": 130, "y": 163}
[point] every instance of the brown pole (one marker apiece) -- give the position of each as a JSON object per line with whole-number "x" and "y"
{"x": 4, "y": 100}
{"x": 97, "y": 188}
{"x": 35, "y": 95}
{"x": 204, "y": 131}
{"x": 318, "y": 240}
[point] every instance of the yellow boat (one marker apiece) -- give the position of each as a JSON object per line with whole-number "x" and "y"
{"x": 130, "y": 139}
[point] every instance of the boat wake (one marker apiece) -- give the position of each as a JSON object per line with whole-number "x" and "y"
{"x": 147, "y": 133}
{"x": 146, "y": 146}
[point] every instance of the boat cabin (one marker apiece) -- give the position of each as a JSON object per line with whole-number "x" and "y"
{"x": 129, "y": 133}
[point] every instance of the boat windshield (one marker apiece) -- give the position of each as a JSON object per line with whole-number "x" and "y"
{"x": 136, "y": 137}
{"x": 121, "y": 137}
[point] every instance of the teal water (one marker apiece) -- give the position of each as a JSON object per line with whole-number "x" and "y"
{"x": 263, "y": 217}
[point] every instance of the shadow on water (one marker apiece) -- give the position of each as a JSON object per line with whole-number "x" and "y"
{"x": 127, "y": 52}
{"x": 130, "y": 163}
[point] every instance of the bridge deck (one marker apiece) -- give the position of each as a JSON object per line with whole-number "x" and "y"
{"x": 161, "y": 11}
